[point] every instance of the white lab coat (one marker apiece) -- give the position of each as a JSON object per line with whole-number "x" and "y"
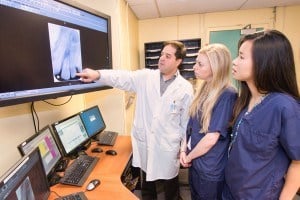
{"x": 160, "y": 121}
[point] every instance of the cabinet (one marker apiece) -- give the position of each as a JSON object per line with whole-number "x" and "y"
{"x": 153, "y": 50}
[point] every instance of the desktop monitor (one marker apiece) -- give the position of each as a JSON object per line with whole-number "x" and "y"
{"x": 92, "y": 121}
{"x": 71, "y": 135}
{"x": 43, "y": 43}
{"x": 25, "y": 180}
{"x": 49, "y": 150}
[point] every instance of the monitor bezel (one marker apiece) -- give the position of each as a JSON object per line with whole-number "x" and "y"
{"x": 20, "y": 163}
{"x": 35, "y": 136}
{"x": 84, "y": 87}
{"x": 92, "y": 136}
{"x": 74, "y": 152}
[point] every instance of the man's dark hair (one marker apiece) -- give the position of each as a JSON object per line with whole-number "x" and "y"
{"x": 179, "y": 46}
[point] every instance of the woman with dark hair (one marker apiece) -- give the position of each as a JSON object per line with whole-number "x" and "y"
{"x": 264, "y": 154}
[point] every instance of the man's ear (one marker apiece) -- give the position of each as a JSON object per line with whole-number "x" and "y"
{"x": 179, "y": 61}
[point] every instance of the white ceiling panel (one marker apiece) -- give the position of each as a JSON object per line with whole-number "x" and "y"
{"x": 147, "y": 9}
{"x": 195, "y": 6}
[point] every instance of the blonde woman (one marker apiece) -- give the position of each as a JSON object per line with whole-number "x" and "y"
{"x": 205, "y": 151}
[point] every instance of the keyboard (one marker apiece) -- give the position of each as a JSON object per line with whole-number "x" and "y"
{"x": 73, "y": 196}
{"x": 79, "y": 170}
{"x": 107, "y": 138}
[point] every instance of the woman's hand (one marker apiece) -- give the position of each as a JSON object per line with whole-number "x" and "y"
{"x": 183, "y": 160}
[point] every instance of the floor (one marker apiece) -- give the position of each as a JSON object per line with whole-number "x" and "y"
{"x": 184, "y": 188}
{"x": 185, "y": 194}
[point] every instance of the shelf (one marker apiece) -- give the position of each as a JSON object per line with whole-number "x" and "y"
{"x": 187, "y": 70}
{"x": 153, "y": 49}
{"x": 153, "y": 65}
{"x": 192, "y": 48}
{"x": 152, "y": 57}
{"x": 192, "y": 54}
{"x": 188, "y": 63}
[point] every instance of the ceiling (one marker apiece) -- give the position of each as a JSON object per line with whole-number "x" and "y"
{"x": 148, "y": 9}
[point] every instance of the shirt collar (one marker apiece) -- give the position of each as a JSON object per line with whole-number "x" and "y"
{"x": 174, "y": 76}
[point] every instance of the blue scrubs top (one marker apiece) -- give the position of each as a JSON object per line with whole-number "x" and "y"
{"x": 267, "y": 140}
{"x": 211, "y": 165}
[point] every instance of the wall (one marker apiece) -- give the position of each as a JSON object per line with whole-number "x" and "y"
{"x": 121, "y": 114}
{"x": 16, "y": 122}
{"x": 287, "y": 21}
{"x": 284, "y": 19}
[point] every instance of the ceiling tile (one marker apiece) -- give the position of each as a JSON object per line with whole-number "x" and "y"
{"x": 145, "y": 9}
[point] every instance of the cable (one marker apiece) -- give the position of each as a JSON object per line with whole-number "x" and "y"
{"x": 58, "y": 104}
{"x": 35, "y": 118}
{"x": 55, "y": 193}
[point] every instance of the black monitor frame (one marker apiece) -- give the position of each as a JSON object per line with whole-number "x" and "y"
{"x": 26, "y": 178}
{"x": 76, "y": 149}
{"x": 16, "y": 85}
{"x": 87, "y": 123}
{"x": 36, "y": 141}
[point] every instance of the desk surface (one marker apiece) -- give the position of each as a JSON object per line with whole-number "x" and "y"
{"x": 108, "y": 170}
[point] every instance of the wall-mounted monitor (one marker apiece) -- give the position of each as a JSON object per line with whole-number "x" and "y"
{"x": 43, "y": 43}
{"x": 25, "y": 180}
{"x": 49, "y": 150}
{"x": 71, "y": 135}
{"x": 92, "y": 120}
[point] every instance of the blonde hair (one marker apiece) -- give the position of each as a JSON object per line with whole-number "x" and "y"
{"x": 206, "y": 97}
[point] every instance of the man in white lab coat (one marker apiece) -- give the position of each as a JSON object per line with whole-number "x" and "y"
{"x": 161, "y": 116}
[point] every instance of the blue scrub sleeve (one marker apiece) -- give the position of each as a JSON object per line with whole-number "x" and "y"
{"x": 222, "y": 114}
{"x": 290, "y": 135}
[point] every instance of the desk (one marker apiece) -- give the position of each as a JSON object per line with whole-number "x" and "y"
{"x": 108, "y": 170}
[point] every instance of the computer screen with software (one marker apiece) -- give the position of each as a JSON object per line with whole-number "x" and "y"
{"x": 49, "y": 150}
{"x": 92, "y": 120}
{"x": 25, "y": 180}
{"x": 71, "y": 134}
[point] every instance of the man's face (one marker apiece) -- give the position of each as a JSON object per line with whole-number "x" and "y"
{"x": 167, "y": 63}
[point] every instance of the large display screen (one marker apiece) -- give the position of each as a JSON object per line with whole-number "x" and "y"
{"x": 43, "y": 43}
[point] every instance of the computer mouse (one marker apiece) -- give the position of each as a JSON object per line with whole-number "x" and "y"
{"x": 97, "y": 150}
{"x": 93, "y": 184}
{"x": 111, "y": 152}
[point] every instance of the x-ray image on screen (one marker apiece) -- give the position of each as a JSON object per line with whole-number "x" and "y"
{"x": 24, "y": 192}
{"x": 65, "y": 52}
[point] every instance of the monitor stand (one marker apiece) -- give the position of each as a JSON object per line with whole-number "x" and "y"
{"x": 87, "y": 145}
{"x": 62, "y": 165}
{"x": 53, "y": 179}
{"x": 79, "y": 151}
